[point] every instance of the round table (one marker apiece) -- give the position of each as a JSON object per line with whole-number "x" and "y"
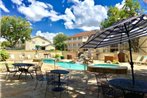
{"x": 59, "y": 72}
{"x": 135, "y": 91}
{"x": 23, "y": 68}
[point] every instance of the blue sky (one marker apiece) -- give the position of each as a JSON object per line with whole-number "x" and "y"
{"x": 50, "y": 17}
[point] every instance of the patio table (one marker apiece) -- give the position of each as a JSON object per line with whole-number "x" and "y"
{"x": 23, "y": 68}
{"x": 59, "y": 72}
{"x": 130, "y": 91}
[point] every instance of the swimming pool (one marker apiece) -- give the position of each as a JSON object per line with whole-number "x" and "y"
{"x": 67, "y": 65}
{"x": 77, "y": 66}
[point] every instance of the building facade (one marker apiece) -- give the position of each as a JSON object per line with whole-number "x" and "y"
{"x": 39, "y": 43}
{"x": 77, "y": 40}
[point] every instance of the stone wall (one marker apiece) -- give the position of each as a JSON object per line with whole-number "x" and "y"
{"x": 31, "y": 54}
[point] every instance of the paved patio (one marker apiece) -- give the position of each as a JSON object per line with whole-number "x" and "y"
{"x": 78, "y": 86}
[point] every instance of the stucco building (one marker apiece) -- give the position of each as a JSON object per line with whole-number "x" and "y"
{"x": 76, "y": 41}
{"x": 39, "y": 43}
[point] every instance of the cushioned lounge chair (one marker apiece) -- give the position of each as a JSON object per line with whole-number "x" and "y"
{"x": 144, "y": 61}
{"x": 139, "y": 59}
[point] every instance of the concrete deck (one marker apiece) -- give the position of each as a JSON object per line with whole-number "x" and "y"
{"x": 81, "y": 84}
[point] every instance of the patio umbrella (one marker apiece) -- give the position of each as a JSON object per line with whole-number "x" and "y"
{"x": 122, "y": 31}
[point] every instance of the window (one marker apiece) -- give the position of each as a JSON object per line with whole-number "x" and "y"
{"x": 114, "y": 48}
{"x": 74, "y": 45}
{"x": 42, "y": 48}
{"x": 74, "y": 38}
{"x": 85, "y": 37}
{"x": 79, "y": 38}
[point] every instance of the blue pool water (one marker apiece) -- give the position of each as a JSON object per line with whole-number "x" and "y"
{"x": 67, "y": 65}
{"x": 76, "y": 66}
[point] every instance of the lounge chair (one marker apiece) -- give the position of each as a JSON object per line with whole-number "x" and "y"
{"x": 144, "y": 61}
{"x": 139, "y": 59}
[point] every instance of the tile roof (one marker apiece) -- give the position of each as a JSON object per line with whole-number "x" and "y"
{"x": 87, "y": 33}
{"x": 41, "y": 38}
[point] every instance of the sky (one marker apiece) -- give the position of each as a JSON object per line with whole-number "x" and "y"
{"x": 51, "y": 17}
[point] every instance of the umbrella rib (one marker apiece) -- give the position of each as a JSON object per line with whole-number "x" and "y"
{"x": 140, "y": 25}
{"x": 100, "y": 33}
{"x": 116, "y": 40}
{"x": 89, "y": 41}
{"x": 104, "y": 38}
{"x": 131, "y": 33}
{"x": 141, "y": 19}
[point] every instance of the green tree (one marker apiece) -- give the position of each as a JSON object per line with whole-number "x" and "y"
{"x": 59, "y": 41}
{"x": 131, "y": 8}
{"x": 5, "y": 44}
{"x": 15, "y": 29}
{"x": 4, "y": 55}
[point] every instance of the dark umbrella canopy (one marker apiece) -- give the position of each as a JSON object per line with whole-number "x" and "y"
{"x": 122, "y": 31}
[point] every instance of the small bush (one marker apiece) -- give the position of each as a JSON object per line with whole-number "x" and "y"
{"x": 57, "y": 56}
{"x": 51, "y": 50}
{"x": 115, "y": 62}
{"x": 62, "y": 57}
{"x": 3, "y": 55}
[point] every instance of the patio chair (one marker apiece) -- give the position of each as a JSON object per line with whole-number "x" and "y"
{"x": 110, "y": 92}
{"x": 56, "y": 86}
{"x": 8, "y": 70}
{"x": 39, "y": 78}
{"x": 103, "y": 86}
{"x": 38, "y": 66}
{"x": 51, "y": 79}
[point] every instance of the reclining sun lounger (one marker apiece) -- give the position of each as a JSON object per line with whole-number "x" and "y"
{"x": 144, "y": 61}
{"x": 139, "y": 59}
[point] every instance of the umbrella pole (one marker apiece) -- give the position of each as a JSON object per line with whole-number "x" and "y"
{"x": 131, "y": 62}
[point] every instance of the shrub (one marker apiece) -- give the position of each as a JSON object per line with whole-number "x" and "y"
{"x": 4, "y": 55}
{"x": 57, "y": 56}
{"x": 115, "y": 62}
{"x": 51, "y": 50}
{"x": 62, "y": 57}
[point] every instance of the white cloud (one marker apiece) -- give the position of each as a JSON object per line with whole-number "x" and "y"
{"x": 2, "y": 6}
{"x": 74, "y": 1}
{"x": 120, "y": 5}
{"x": 18, "y": 2}
{"x": 37, "y": 10}
{"x": 47, "y": 35}
{"x": 83, "y": 15}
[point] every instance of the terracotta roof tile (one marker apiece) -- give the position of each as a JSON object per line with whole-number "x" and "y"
{"x": 84, "y": 33}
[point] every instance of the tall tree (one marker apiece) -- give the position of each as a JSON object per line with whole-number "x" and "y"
{"x": 131, "y": 8}
{"x": 59, "y": 41}
{"x": 15, "y": 29}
